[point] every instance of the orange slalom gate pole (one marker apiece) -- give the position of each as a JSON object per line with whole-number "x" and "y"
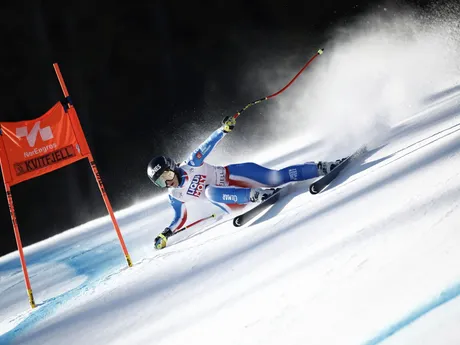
{"x": 19, "y": 245}
{"x": 95, "y": 171}
{"x": 109, "y": 208}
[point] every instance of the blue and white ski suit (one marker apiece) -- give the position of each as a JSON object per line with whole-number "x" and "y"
{"x": 229, "y": 186}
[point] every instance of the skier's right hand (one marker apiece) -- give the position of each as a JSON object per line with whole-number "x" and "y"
{"x": 228, "y": 123}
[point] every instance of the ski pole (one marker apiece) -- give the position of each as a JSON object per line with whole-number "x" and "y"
{"x": 194, "y": 223}
{"x": 319, "y": 52}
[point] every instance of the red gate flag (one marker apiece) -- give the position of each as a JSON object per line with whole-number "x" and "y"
{"x": 32, "y": 148}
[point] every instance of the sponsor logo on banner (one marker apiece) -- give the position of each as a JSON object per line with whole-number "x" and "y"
{"x": 44, "y": 161}
{"x": 40, "y": 150}
{"x": 45, "y": 133}
{"x": 197, "y": 185}
{"x": 37, "y": 147}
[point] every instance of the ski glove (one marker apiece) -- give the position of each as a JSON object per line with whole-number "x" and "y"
{"x": 228, "y": 123}
{"x": 162, "y": 239}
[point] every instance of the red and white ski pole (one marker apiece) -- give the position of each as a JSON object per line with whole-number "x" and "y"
{"x": 194, "y": 223}
{"x": 318, "y": 53}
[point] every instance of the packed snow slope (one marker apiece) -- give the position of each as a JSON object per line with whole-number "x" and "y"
{"x": 372, "y": 259}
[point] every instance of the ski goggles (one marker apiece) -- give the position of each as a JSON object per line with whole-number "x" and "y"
{"x": 167, "y": 175}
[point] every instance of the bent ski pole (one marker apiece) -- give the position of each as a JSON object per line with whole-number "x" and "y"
{"x": 194, "y": 223}
{"x": 319, "y": 52}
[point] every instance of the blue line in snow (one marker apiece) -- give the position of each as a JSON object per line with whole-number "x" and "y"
{"x": 94, "y": 264}
{"x": 445, "y": 296}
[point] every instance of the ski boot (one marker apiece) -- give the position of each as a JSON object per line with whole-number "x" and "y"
{"x": 260, "y": 194}
{"x": 326, "y": 167}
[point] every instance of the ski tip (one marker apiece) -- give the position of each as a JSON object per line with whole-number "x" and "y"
{"x": 313, "y": 189}
{"x": 236, "y": 222}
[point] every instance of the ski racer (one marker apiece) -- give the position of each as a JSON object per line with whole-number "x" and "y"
{"x": 228, "y": 187}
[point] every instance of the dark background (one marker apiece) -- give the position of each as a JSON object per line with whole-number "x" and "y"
{"x": 141, "y": 74}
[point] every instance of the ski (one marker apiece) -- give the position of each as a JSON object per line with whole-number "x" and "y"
{"x": 317, "y": 186}
{"x": 245, "y": 217}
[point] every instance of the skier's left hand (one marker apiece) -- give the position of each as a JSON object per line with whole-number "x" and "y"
{"x": 162, "y": 239}
{"x": 228, "y": 123}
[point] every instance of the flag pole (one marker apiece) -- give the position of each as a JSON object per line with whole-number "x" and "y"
{"x": 6, "y": 177}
